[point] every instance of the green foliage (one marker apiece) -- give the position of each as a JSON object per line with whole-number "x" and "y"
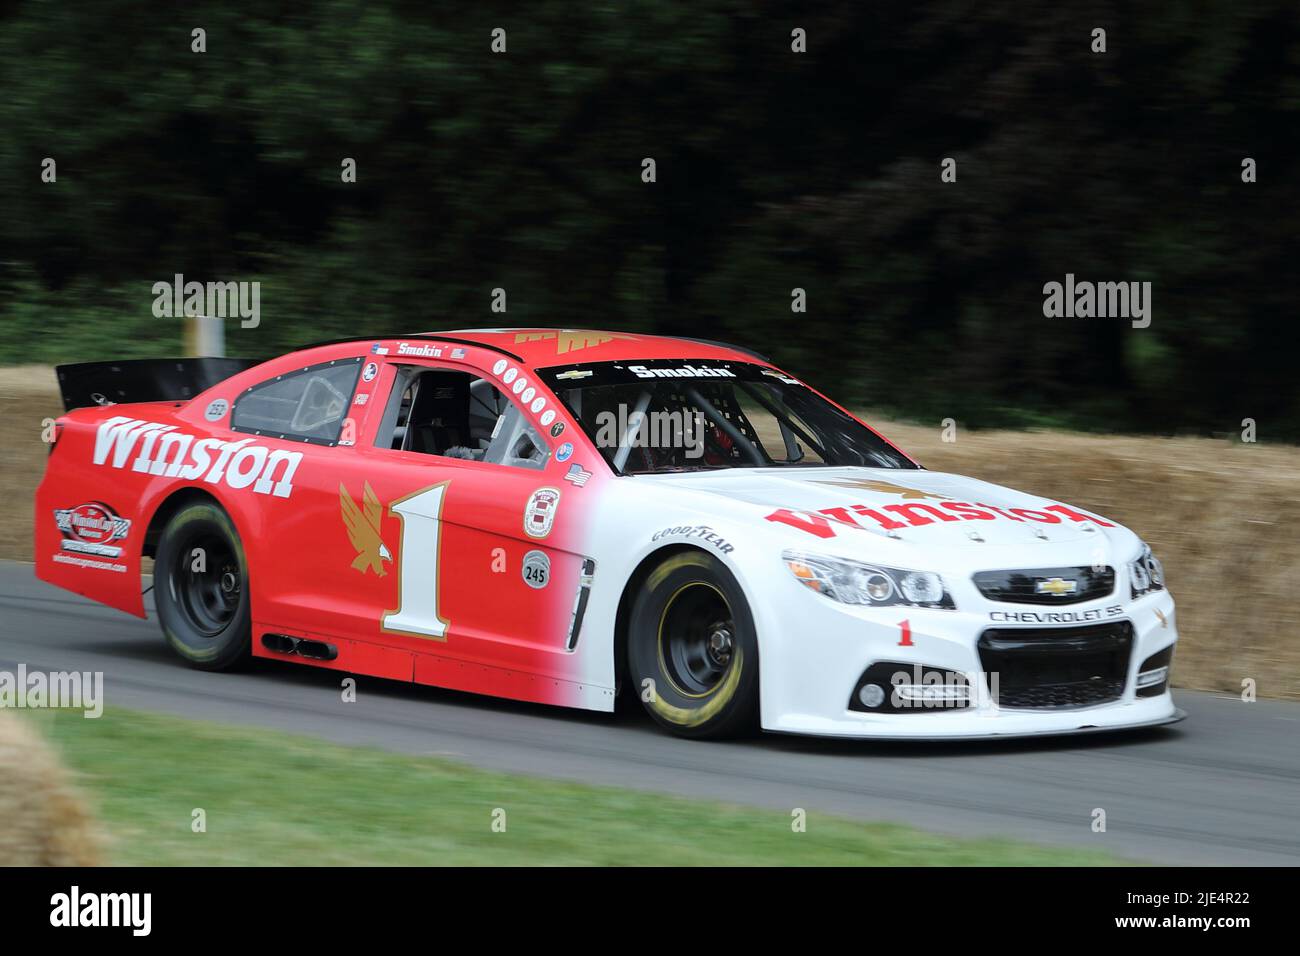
{"x": 271, "y": 799}
{"x": 775, "y": 171}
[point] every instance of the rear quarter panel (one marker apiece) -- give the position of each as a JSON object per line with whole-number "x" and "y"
{"x": 105, "y": 567}
{"x": 120, "y": 464}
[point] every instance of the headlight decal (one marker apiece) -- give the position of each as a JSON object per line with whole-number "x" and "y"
{"x": 1145, "y": 573}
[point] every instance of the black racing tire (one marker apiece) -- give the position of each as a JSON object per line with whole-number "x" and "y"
{"x": 202, "y": 600}
{"x": 693, "y": 638}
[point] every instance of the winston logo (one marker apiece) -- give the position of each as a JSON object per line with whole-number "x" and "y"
{"x": 91, "y": 529}
{"x": 826, "y": 522}
{"x": 162, "y": 450}
{"x": 362, "y": 524}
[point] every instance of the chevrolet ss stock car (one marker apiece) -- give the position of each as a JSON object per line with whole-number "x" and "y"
{"x": 560, "y": 515}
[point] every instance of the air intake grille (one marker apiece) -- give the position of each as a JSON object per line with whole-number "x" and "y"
{"x": 1052, "y": 668}
{"x": 1046, "y": 585}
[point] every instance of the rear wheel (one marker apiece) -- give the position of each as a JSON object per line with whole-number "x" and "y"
{"x": 201, "y": 588}
{"x": 693, "y": 650}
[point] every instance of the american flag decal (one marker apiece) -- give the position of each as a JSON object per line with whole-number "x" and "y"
{"x": 577, "y": 475}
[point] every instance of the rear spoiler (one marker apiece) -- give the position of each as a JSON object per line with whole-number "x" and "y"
{"x": 144, "y": 380}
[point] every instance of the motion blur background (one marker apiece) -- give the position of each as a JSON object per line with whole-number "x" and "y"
{"x": 775, "y": 170}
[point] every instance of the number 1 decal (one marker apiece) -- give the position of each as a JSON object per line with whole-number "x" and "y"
{"x": 906, "y": 628}
{"x": 417, "y": 565}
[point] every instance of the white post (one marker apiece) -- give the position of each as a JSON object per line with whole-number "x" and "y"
{"x": 205, "y": 336}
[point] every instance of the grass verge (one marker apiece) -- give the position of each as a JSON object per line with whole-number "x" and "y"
{"x": 272, "y": 799}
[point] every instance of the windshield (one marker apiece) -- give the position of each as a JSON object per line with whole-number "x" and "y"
{"x": 677, "y": 415}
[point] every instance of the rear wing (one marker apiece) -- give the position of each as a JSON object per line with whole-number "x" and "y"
{"x": 143, "y": 380}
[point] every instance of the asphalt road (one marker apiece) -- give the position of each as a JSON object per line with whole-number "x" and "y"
{"x": 1222, "y": 787}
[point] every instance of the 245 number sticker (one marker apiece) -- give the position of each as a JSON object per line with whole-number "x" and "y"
{"x": 537, "y": 569}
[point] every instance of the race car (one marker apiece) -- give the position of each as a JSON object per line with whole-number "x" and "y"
{"x": 560, "y": 515}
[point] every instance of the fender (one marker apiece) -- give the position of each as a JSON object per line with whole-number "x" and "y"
{"x": 609, "y": 607}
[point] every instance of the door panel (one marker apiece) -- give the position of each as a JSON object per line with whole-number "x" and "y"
{"x": 456, "y": 561}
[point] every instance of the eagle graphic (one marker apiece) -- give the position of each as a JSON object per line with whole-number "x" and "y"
{"x": 570, "y": 340}
{"x": 362, "y": 524}
{"x": 884, "y": 487}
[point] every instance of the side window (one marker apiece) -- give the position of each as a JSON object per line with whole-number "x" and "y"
{"x": 781, "y": 443}
{"x": 458, "y": 415}
{"x": 307, "y": 405}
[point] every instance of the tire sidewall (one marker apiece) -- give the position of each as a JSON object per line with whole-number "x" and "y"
{"x": 731, "y": 706}
{"x": 232, "y": 645}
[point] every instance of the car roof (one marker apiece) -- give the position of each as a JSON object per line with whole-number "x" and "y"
{"x": 541, "y": 347}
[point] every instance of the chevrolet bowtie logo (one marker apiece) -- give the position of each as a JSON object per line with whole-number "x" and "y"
{"x": 1056, "y": 586}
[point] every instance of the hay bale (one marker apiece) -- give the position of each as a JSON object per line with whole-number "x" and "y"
{"x": 43, "y": 821}
{"x": 1221, "y": 515}
{"x": 28, "y": 395}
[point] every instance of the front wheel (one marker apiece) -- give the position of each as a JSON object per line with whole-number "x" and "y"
{"x": 693, "y": 650}
{"x": 201, "y": 588}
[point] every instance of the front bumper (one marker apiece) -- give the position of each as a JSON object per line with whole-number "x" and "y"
{"x": 809, "y": 673}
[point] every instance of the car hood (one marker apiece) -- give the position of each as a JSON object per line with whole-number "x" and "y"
{"x": 922, "y": 507}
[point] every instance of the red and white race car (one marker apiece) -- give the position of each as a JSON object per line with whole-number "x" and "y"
{"x": 552, "y": 515}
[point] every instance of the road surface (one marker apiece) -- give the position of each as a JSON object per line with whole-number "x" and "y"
{"x": 1222, "y": 787}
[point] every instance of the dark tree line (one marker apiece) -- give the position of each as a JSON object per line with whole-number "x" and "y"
{"x": 775, "y": 170}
